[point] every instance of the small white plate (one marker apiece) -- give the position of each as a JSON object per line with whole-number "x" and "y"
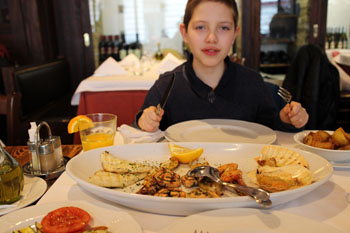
{"x": 336, "y": 156}
{"x": 246, "y": 220}
{"x": 102, "y": 215}
{"x": 220, "y": 130}
{"x": 34, "y": 188}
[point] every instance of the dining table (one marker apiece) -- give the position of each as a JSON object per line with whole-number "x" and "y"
{"x": 327, "y": 204}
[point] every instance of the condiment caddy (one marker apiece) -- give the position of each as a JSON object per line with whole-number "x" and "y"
{"x": 46, "y": 157}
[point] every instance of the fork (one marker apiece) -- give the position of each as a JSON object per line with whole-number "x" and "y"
{"x": 285, "y": 95}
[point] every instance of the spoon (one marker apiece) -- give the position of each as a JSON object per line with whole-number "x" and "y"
{"x": 260, "y": 196}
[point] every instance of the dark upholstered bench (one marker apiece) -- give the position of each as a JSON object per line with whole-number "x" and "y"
{"x": 45, "y": 96}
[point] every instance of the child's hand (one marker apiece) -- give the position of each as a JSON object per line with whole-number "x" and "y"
{"x": 294, "y": 114}
{"x": 149, "y": 120}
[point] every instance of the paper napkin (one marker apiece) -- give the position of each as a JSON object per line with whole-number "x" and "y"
{"x": 168, "y": 63}
{"x": 110, "y": 67}
{"x": 132, "y": 135}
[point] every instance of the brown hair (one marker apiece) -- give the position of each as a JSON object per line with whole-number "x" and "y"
{"x": 192, "y": 4}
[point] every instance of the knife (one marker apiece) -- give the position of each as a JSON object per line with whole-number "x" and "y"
{"x": 166, "y": 95}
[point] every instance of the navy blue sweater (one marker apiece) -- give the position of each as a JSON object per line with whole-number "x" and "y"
{"x": 241, "y": 95}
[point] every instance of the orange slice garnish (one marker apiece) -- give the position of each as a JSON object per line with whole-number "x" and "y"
{"x": 79, "y": 122}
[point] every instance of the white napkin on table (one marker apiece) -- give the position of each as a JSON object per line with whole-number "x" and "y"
{"x": 110, "y": 67}
{"x": 168, "y": 63}
{"x": 132, "y": 135}
{"x": 129, "y": 60}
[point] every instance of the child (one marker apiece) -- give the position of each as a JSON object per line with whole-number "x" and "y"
{"x": 209, "y": 85}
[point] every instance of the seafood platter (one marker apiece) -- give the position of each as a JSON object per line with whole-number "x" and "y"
{"x": 150, "y": 178}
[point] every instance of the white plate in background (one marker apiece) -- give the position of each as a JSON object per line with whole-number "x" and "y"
{"x": 101, "y": 215}
{"x": 220, "y": 130}
{"x": 81, "y": 167}
{"x": 33, "y": 189}
{"x": 336, "y": 156}
{"x": 247, "y": 220}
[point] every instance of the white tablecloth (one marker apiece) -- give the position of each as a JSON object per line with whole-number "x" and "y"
{"x": 128, "y": 82}
{"x": 114, "y": 83}
{"x": 330, "y": 203}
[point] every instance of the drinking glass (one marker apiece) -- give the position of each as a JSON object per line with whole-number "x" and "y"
{"x": 102, "y": 132}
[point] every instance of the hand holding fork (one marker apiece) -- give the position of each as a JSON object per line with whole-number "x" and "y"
{"x": 293, "y": 113}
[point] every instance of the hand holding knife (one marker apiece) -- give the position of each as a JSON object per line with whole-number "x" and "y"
{"x": 164, "y": 99}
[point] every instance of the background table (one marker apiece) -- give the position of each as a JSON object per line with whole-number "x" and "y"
{"x": 124, "y": 104}
{"x": 122, "y": 95}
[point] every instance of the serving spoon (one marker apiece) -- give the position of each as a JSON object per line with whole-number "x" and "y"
{"x": 260, "y": 196}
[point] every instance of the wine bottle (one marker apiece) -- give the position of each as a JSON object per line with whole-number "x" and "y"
{"x": 110, "y": 46}
{"x": 116, "y": 47}
{"x": 159, "y": 55}
{"x": 138, "y": 47}
{"x": 341, "y": 39}
{"x": 123, "y": 51}
{"x": 102, "y": 49}
{"x": 185, "y": 50}
{"x": 345, "y": 39}
{"x": 332, "y": 38}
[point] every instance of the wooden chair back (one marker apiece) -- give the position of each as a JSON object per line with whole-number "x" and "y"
{"x": 9, "y": 106}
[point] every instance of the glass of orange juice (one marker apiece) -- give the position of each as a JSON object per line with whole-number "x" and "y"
{"x": 102, "y": 132}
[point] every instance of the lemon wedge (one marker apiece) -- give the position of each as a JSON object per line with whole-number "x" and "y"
{"x": 183, "y": 154}
{"x": 79, "y": 122}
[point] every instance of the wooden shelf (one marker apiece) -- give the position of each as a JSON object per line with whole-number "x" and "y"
{"x": 274, "y": 65}
{"x": 276, "y": 41}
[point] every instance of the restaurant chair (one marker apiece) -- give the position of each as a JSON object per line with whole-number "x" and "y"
{"x": 314, "y": 82}
{"x": 45, "y": 96}
{"x": 9, "y": 107}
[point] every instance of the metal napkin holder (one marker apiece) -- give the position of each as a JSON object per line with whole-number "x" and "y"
{"x": 46, "y": 158}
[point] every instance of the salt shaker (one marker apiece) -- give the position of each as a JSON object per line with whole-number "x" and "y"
{"x": 47, "y": 157}
{"x": 56, "y": 140}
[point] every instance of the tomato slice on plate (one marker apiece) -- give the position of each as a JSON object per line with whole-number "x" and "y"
{"x": 65, "y": 220}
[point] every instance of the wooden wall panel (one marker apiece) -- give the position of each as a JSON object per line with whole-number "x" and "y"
{"x": 72, "y": 21}
{"x": 251, "y": 33}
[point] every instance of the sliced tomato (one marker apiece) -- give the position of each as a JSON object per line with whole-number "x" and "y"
{"x": 65, "y": 220}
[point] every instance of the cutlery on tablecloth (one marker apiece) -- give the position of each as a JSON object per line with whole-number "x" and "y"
{"x": 166, "y": 95}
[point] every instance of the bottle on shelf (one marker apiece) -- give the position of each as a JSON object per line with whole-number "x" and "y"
{"x": 345, "y": 39}
{"x": 110, "y": 46}
{"x": 328, "y": 39}
{"x": 102, "y": 49}
{"x": 138, "y": 47}
{"x": 332, "y": 38}
{"x": 341, "y": 39}
{"x": 159, "y": 55}
{"x": 185, "y": 50}
{"x": 123, "y": 49}
{"x": 116, "y": 46}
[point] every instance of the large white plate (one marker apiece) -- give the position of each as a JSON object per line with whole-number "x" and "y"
{"x": 337, "y": 156}
{"x": 247, "y": 220}
{"x": 85, "y": 165}
{"x": 102, "y": 215}
{"x": 220, "y": 130}
{"x": 34, "y": 188}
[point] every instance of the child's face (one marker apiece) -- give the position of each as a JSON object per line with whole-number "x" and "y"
{"x": 210, "y": 34}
